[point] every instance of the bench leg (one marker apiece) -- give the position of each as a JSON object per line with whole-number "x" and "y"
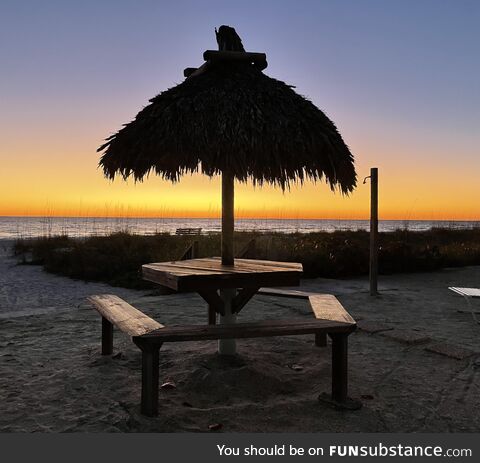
{"x": 339, "y": 396}
{"x": 321, "y": 340}
{"x": 107, "y": 337}
{"x": 149, "y": 401}
{"x": 339, "y": 367}
{"x": 150, "y": 365}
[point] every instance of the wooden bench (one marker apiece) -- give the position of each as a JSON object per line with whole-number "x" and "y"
{"x": 324, "y": 306}
{"x": 188, "y": 231}
{"x": 149, "y": 335}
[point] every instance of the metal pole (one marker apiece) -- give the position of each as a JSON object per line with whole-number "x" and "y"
{"x": 373, "y": 231}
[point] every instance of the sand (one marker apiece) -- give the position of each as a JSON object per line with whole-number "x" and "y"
{"x": 415, "y": 364}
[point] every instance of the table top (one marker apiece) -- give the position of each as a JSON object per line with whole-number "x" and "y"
{"x": 209, "y": 273}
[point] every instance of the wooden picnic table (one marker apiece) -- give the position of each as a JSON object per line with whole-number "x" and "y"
{"x": 237, "y": 283}
{"x": 227, "y": 288}
{"x": 206, "y": 276}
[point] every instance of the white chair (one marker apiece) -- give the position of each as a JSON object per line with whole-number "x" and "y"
{"x": 468, "y": 294}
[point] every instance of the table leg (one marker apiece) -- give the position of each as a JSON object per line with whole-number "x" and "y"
{"x": 212, "y": 315}
{"x": 227, "y": 346}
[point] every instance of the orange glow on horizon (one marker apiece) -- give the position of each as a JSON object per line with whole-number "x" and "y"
{"x": 58, "y": 176}
{"x": 199, "y": 197}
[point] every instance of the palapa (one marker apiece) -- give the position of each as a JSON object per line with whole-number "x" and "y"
{"x": 229, "y": 118}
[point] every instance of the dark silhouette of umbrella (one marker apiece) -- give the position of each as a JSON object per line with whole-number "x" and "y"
{"x": 229, "y": 118}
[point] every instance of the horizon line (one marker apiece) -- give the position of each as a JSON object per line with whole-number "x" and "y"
{"x": 39, "y": 216}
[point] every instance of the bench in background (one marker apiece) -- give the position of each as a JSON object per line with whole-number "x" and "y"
{"x": 188, "y": 231}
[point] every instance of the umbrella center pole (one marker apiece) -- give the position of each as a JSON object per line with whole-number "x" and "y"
{"x": 227, "y": 218}
{"x": 227, "y": 346}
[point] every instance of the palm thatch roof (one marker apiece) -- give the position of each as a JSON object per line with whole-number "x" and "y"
{"x": 231, "y": 117}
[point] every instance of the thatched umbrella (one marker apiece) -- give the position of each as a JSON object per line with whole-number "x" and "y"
{"x": 229, "y": 118}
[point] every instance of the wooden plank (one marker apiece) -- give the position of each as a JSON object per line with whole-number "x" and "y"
{"x": 176, "y": 268}
{"x": 260, "y": 268}
{"x": 242, "y": 298}
{"x": 194, "y": 283}
{"x": 328, "y": 307}
{"x": 213, "y": 300}
{"x": 185, "y": 268}
{"x": 198, "y": 71}
{"x": 195, "y": 274}
{"x": 259, "y": 60}
{"x": 264, "y": 328}
{"x": 215, "y": 262}
{"x": 285, "y": 293}
{"x": 125, "y": 317}
{"x": 180, "y": 269}
{"x": 218, "y": 55}
{"x": 263, "y": 265}
{"x": 468, "y": 292}
{"x": 163, "y": 279}
{"x": 204, "y": 265}
{"x": 192, "y": 268}
{"x": 287, "y": 265}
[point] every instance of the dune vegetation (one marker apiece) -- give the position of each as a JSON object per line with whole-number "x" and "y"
{"x": 116, "y": 259}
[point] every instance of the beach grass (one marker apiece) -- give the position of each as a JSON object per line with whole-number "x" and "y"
{"x": 116, "y": 259}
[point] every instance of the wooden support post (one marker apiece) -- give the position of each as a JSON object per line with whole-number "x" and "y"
{"x": 150, "y": 365}
{"x": 227, "y": 346}
{"x": 374, "y": 231}
{"x": 321, "y": 340}
{"x": 212, "y": 315}
{"x": 227, "y": 218}
{"x": 339, "y": 367}
{"x": 107, "y": 337}
{"x": 242, "y": 298}
{"x": 214, "y": 301}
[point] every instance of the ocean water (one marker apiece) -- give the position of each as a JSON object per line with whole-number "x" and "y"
{"x": 30, "y": 227}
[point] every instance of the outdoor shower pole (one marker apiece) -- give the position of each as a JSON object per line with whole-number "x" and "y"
{"x": 227, "y": 346}
{"x": 373, "y": 231}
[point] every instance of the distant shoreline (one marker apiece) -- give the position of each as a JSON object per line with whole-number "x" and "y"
{"x": 26, "y": 227}
{"x": 120, "y": 217}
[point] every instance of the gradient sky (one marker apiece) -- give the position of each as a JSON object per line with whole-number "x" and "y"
{"x": 400, "y": 79}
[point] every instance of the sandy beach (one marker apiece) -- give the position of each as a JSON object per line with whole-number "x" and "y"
{"x": 414, "y": 361}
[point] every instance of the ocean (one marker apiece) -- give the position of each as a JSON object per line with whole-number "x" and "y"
{"x": 30, "y": 227}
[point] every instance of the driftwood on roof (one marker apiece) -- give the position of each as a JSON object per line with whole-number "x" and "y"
{"x": 230, "y": 117}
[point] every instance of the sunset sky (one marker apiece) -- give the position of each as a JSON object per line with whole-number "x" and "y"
{"x": 400, "y": 79}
